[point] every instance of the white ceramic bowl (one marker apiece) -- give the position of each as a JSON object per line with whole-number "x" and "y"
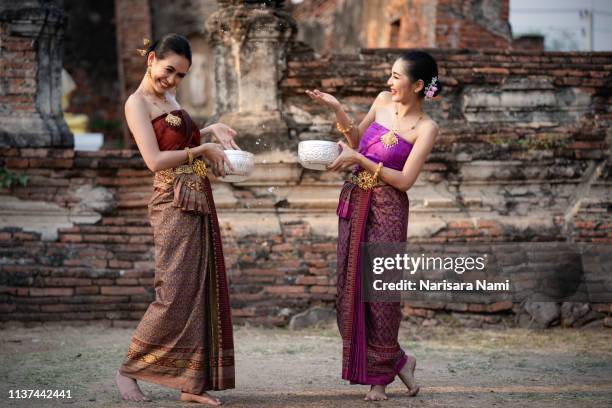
{"x": 317, "y": 154}
{"x": 243, "y": 163}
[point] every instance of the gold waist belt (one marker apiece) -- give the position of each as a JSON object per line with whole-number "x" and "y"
{"x": 366, "y": 180}
{"x": 198, "y": 167}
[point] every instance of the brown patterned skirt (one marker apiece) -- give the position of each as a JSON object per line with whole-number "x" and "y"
{"x": 185, "y": 339}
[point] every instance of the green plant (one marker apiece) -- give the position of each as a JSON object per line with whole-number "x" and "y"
{"x": 9, "y": 178}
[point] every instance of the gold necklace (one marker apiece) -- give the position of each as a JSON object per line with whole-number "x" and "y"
{"x": 389, "y": 139}
{"x": 170, "y": 119}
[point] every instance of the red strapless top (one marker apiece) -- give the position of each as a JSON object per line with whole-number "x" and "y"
{"x": 171, "y": 137}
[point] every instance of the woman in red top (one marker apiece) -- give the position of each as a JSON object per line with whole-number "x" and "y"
{"x": 184, "y": 339}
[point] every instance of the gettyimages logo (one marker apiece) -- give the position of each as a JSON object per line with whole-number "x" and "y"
{"x": 412, "y": 265}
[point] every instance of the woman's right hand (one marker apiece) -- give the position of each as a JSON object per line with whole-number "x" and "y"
{"x": 216, "y": 158}
{"x": 324, "y": 99}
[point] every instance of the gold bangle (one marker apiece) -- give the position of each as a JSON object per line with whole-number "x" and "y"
{"x": 377, "y": 172}
{"x": 189, "y": 156}
{"x": 344, "y": 130}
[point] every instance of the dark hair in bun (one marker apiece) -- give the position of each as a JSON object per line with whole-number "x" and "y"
{"x": 171, "y": 43}
{"x": 421, "y": 65}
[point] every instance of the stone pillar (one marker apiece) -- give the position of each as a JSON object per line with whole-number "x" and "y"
{"x": 249, "y": 42}
{"x": 133, "y": 23}
{"x": 31, "y": 41}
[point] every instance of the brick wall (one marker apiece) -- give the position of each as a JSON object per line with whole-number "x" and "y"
{"x": 523, "y": 157}
{"x": 334, "y": 26}
{"x": 31, "y": 41}
{"x": 17, "y": 72}
{"x": 105, "y": 271}
{"x": 483, "y": 24}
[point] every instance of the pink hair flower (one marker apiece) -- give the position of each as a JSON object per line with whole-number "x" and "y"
{"x": 431, "y": 88}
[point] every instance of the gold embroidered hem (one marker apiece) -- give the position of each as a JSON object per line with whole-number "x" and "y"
{"x": 183, "y": 368}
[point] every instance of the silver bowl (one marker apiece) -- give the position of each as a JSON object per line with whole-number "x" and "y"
{"x": 317, "y": 154}
{"x": 243, "y": 163}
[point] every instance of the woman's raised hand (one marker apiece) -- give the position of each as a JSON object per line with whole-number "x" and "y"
{"x": 224, "y": 135}
{"x": 324, "y": 99}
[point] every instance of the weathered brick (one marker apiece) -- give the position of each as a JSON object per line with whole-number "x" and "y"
{"x": 119, "y": 264}
{"x": 87, "y": 290}
{"x": 70, "y": 238}
{"x": 311, "y": 280}
{"x": 66, "y": 282}
{"x": 126, "y": 281}
{"x": 51, "y": 291}
{"x": 17, "y": 163}
{"x": 285, "y": 289}
{"x": 26, "y": 236}
{"x": 322, "y": 289}
{"x": 122, "y": 290}
{"x": 320, "y": 271}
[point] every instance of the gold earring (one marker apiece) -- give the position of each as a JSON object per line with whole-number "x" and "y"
{"x": 149, "y": 71}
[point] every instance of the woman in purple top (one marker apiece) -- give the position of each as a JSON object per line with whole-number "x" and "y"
{"x": 388, "y": 150}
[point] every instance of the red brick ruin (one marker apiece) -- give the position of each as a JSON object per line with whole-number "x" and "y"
{"x": 521, "y": 169}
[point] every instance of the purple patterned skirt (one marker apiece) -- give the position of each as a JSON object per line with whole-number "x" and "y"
{"x": 371, "y": 353}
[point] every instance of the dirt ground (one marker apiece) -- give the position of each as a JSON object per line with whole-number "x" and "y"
{"x": 280, "y": 368}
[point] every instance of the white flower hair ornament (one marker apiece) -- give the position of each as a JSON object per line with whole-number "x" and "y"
{"x": 430, "y": 90}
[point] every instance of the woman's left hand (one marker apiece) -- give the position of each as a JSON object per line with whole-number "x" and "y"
{"x": 347, "y": 158}
{"x": 224, "y": 135}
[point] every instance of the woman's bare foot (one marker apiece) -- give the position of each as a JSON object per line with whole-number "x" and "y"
{"x": 407, "y": 376}
{"x": 203, "y": 398}
{"x": 376, "y": 393}
{"x": 129, "y": 389}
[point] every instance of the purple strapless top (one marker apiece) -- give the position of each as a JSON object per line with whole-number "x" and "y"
{"x": 371, "y": 147}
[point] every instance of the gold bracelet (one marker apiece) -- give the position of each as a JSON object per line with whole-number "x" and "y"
{"x": 377, "y": 172}
{"x": 189, "y": 156}
{"x": 344, "y": 130}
